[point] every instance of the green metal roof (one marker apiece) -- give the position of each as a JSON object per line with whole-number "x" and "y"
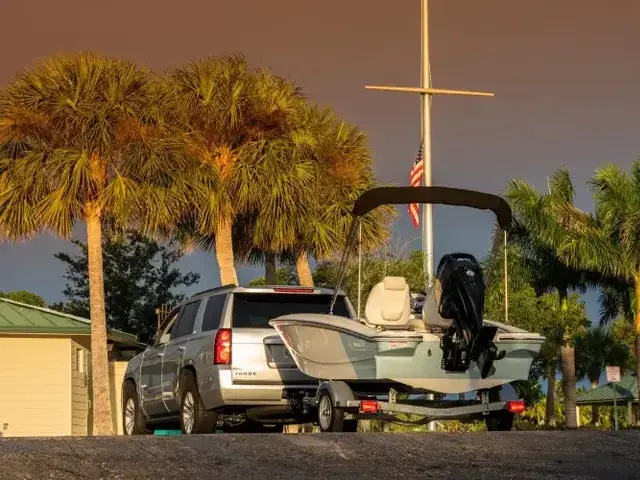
{"x": 626, "y": 391}
{"x": 17, "y": 317}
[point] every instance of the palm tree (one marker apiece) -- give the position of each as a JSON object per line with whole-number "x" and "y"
{"x": 594, "y": 351}
{"x": 84, "y": 138}
{"x": 237, "y": 120}
{"x": 535, "y": 222}
{"x": 323, "y": 165}
{"x": 616, "y": 299}
{"x": 608, "y": 240}
{"x": 343, "y": 171}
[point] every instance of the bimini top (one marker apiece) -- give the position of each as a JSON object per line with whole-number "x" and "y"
{"x": 436, "y": 195}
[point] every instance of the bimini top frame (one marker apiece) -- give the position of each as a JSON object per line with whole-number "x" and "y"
{"x": 379, "y": 196}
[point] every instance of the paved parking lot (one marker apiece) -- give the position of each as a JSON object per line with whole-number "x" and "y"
{"x": 349, "y": 456}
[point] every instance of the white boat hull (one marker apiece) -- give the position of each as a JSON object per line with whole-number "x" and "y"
{"x": 336, "y": 348}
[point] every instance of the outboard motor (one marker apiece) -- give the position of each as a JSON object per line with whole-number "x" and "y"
{"x": 462, "y": 300}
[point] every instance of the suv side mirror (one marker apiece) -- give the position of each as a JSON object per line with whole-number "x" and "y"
{"x": 144, "y": 337}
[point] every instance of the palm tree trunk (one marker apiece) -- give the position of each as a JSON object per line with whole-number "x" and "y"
{"x": 550, "y": 413}
{"x": 568, "y": 358}
{"x": 595, "y": 409}
{"x": 637, "y": 326}
{"x": 270, "y": 274}
{"x": 305, "y": 278}
{"x": 224, "y": 253}
{"x": 101, "y": 401}
{"x": 568, "y": 366}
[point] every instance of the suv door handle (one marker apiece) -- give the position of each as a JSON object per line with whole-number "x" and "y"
{"x": 160, "y": 355}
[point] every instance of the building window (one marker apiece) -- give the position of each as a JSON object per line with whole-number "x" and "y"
{"x": 79, "y": 360}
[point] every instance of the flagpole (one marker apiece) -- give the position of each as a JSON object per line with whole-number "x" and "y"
{"x": 426, "y": 92}
{"x": 425, "y": 107}
{"x": 425, "y": 103}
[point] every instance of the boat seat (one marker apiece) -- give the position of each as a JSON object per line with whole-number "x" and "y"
{"x": 430, "y": 314}
{"x": 389, "y": 305}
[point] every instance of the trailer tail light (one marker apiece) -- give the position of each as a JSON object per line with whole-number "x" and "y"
{"x": 369, "y": 406}
{"x": 222, "y": 347}
{"x": 516, "y": 406}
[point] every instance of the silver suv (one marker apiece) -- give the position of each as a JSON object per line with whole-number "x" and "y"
{"x": 217, "y": 363}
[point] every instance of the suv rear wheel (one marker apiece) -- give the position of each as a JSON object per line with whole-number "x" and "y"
{"x": 193, "y": 416}
{"x": 133, "y": 421}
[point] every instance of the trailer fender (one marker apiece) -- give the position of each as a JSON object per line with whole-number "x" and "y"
{"x": 508, "y": 393}
{"x": 337, "y": 390}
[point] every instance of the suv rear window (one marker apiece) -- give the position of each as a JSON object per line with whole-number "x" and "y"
{"x": 254, "y": 310}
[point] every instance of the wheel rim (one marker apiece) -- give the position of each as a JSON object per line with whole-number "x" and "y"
{"x": 325, "y": 412}
{"x": 188, "y": 412}
{"x": 130, "y": 416}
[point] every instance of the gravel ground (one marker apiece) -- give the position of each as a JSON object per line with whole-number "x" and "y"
{"x": 351, "y": 456}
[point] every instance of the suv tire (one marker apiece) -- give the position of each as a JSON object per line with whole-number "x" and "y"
{"x": 133, "y": 421}
{"x": 194, "y": 418}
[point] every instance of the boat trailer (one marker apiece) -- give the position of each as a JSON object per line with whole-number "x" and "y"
{"x": 335, "y": 407}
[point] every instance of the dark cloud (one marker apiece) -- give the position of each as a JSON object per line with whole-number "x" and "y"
{"x": 564, "y": 74}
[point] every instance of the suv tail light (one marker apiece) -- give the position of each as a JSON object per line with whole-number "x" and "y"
{"x": 222, "y": 347}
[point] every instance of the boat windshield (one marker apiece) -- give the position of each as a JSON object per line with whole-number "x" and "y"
{"x": 251, "y": 310}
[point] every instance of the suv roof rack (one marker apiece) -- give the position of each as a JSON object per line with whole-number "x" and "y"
{"x": 216, "y": 289}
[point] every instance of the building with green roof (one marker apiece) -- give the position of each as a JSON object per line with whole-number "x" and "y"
{"x": 45, "y": 371}
{"x": 626, "y": 395}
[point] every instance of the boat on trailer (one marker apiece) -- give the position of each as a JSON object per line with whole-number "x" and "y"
{"x": 448, "y": 349}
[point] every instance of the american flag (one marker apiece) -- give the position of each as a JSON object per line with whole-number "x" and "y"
{"x": 415, "y": 180}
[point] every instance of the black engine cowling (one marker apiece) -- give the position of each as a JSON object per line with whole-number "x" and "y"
{"x": 462, "y": 297}
{"x": 462, "y": 300}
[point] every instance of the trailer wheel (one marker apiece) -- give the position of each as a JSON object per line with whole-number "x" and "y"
{"x": 501, "y": 421}
{"x": 331, "y": 419}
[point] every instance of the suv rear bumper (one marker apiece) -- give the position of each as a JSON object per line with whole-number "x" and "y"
{"x": 218, "y": 390}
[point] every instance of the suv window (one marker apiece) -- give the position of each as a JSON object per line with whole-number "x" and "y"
{"x": 254, "y": 310}
{"x": 186, "y": 320}
{"x": 163, "y": 336}
{"x": 213, "y": 312}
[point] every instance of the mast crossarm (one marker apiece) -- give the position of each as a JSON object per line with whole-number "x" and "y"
{"x": 429, "y": 91}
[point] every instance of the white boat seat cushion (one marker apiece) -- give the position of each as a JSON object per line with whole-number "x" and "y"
{"x": 389, "y": 304}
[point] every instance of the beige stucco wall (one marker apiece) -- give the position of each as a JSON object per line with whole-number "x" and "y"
{"x": 116, "y": 375}
{"x": 79, "y": 389}
{"x": 45, "y": 386}
{"x": 35, "y": 386}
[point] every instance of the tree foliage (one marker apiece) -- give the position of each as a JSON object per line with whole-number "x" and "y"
{"x": 24, "y": 296}
{"x": 597, "y": 348}
{"x": 542, "y": 314}
{"x": 375, "y": 267}
{"x": 140, "y": 276}
{"x": 284, "y": 276}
